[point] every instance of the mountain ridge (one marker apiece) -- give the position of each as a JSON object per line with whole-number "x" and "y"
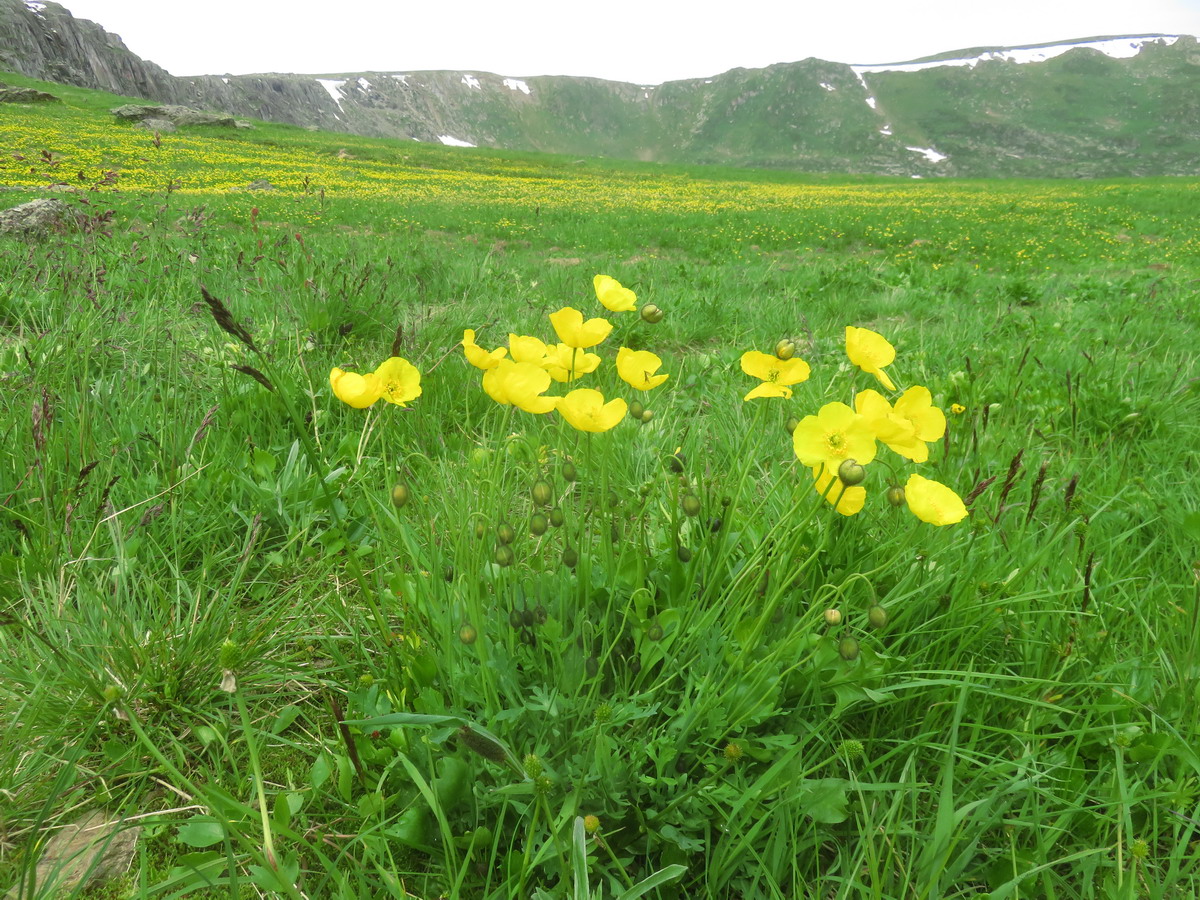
{"x": 1054, "y": 109}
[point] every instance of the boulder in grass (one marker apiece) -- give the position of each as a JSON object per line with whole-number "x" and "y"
{"x": 25, "y": 95}
{"x": 38, "y": 217}
{"x": 260, "y": 184}
{"x": 176, "y": 115}
{"x": 88, "y": 852}
{"x": 163, "y": 125}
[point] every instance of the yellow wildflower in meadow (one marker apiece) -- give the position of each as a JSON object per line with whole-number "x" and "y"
{"x": 396, "y": 381}
{"x": 906, "y": 427}
{"x": 586, "y": 410}
{"x": 870, "y": 352}
{"x": 835, "y": 434}
{"x": 774, "y": 373}
{"x": 573, "y": 331}
{"x": 612, "y": 296}
{"x": 524, "y": 348}
{"x": 637, "y": 368}
{"x": 477, "y": 356}
{"x": 565, "y": 363}
{"x": 519, "y": 384}
{"x": 933, "y": 502}
{"x": 846, "y": 500}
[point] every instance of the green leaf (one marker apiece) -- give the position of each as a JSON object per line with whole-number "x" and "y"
{"x": 201, "y": 831}
{"x": 824, "y": 800}
{"x": 320, "y": 772}
{"x": 662, "y": 876}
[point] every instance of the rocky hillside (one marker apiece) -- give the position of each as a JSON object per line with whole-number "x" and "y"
{"x": 1097, "y": 107}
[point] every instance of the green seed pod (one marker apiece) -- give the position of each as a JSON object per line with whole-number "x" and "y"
{"x": 646, "y": 416}
{"x": 851, "y": 473}
{"x": 635, "y": 666}
{"x": 733, "y": 751}
{"x": 833, "y": 617}
{"x": 542, "y": 492}
{"x": 591, "y": 824}
{"x": 515, "y": 619}
{"x": 228, "y": 656}
{"x": 676, "y": 462}
{"x": 532, "y": 766}
{"x": 504, "y": 555}
{"x": 848, "y": 648}
{"x": 556, "y": 517}
{"x": 527, "y": 618}
{"x": 400, "y": 495}
{"x": 448, "y": 573}
{"x": 568, "y": 471}
{"x": 113, "y": 693}
{"x": 538, "y": 524}
{"x": 636, "y": 409}
{"x": 895, "y": 495}
{"x": 505, "y": 533}
{"x": 791, "y": 424}
{"x": 877, "y": 616}
{"x": 569, "y": 557}
{"x": 691, "y": 505}
{"x": 654, "y": 632}
{"x": 851, "y": 749}
{"x": 480, "y": 530}
{"x": 683, "y": 554}
{"x": 645, "y": 488}
{"x": 467, "y": 633}
{"x": 651, "y": 314}
{"x": 542, "y": 785}
{"x": 785, "y": 349}
{"x": 603, "y": 713}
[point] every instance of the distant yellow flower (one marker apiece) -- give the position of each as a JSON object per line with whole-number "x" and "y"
{"x": 870, "y": 352}
{"x": 526, "y": 349}
{"x": 573, "y": 331}
{"x": 774, "y": 373}
{"x": 933, "y": 502}
{"x": 846, "y": 500}
{"x": 637, "y": 368}
{"x": 359, "y": 391}
{"x": 586, "y": 410}
{"x": 957, "y": 408}
{"x": 399, "y": 381}
{"x": 477, "y": 356}
{"x": 836, "y": 433}
{"x": 565, "y": 363}
{"x": 614, "y": 297}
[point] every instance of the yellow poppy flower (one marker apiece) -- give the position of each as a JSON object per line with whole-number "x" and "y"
{"x": 915, "y": 406}
{"x": 565, "y": 363}
{"x": 586, "y": 410}
{"x": 612, "y": 296}
{"x": 574, "y": 332}
{"x": 846, "y": 500}
{"x": 526, "y": 349}
{"x": 933, "y": 502}
{"x": 774, "y": 373}
{"x": 359, "y": 391}
{"x": 637, "y": 368}
{"x": 898, "y": 433}
{"x": 477, "y": 356}
{"x": 399, "y": 381}
{"x": 957, "y": 408}
{"x": 870, "y": 352}
{"x": 524, "y": 383}
{"x": 835, "y": 434}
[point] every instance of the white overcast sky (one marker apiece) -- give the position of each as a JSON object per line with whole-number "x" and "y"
{"x": 642, "y": 41}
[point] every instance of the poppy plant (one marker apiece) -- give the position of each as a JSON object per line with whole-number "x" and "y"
{"x": 586, "y": 410}
{"x": 612, "y": 296}
{"x": 775, "y": 374}
{"x": 835, "y": 434}
{"x": 637, "y": 368}
{"x": 573, "y": 331}
{"x": 870, "y": 352}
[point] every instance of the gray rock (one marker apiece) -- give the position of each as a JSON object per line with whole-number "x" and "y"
{"x": 26, "y": 95}
{"x": 163, "y": 125}
{"x": 92, "y": 850}
{"x": 134, "y": 112}
{"x": 177, "y": 115}
{"x": 260, "y": 184}
{"x": 240, "y": 124}
{"x": 38, "y": 217}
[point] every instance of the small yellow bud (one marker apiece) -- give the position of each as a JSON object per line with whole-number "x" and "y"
{"x": 591, "y": 824}
{"x": 785, "y": 349}
{"x": 733, "y": 751}
{"x": 833, "y": 617}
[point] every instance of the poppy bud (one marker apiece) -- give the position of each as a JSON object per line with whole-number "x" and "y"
{"x": 568, "y": 471}
{"x": 848, "y": 649}
{"x": 691, "y": 505}
{"x": 570, "y": 557}
{"x": 676, "y": 462}
{"x": 400, "y": 495}
{"x": 556, "y": 517}
{"x": 505, "y": 533}
{"x": 647, "y": 415}
{"x": 538, "y": 524}
{"x": 785, "y": 349}
{"x": 467, "y": 634}
{"x": 480, "y": 530}
{"x": 636, "y": 409}
{"x": 791, "y": 424}
{"x": 504, "y": 555}
{"x": 851, "y": 473}
{"x": 542, "y": 492}
{"x": 895, "y": 495}
{"x": 683, "y": 554}
{"x": 877, "y": 616}
{"x": 833, "y": 617}
{"x": 654, "y": 632}
{"x": 652, "y": 314}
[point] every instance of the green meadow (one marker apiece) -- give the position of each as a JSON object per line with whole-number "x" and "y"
{"x": 454, "y": 648}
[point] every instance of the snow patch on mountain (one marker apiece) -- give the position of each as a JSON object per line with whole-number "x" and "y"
{"x": 451, "y": 141}
{"x": 38, "y": 9}
{"x": 472, "y": 82}
{"x": 334, "y": 88}
{"x": 1117, "y": 48}
{"x": 930, "y": 154}
{"x": 516, "y": 84}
